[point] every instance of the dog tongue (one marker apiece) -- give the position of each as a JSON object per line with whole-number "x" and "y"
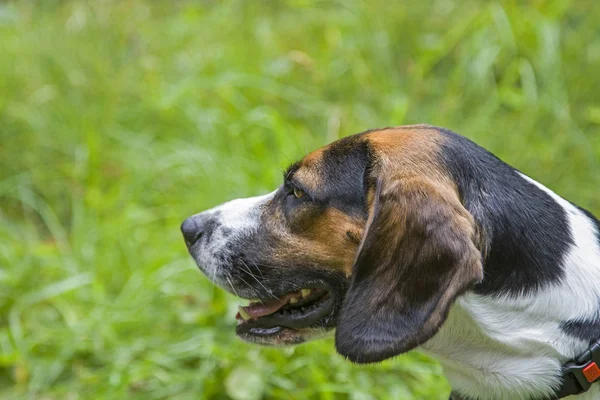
{"x": 268, "y": 307}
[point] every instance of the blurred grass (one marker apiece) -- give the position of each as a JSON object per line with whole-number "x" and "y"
{"x": 120, "y": 118}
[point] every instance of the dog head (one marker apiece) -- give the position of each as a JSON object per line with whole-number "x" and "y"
{"x": 366, "y": 236}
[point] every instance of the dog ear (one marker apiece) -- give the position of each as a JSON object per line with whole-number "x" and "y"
{"x": 417, "y": 255}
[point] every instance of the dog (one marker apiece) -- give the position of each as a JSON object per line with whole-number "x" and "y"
{"x": 416, "y": 237}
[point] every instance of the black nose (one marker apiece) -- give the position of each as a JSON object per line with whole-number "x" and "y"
{"x": 191, "y": 231}
{"x": 197, "y": 226}
{"x": 194, "y": 227}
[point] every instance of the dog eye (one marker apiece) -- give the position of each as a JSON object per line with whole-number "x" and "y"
{"x": 298, "y": 193}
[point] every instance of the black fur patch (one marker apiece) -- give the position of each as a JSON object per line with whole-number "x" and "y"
{"x": 584, "y": 329}
{"x": 343, "y": 170}
{"x": 345, "y": 163}
{"x": 525, "y": 229}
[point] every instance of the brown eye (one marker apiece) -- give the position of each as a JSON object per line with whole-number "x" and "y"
{"x": 298, "y": 193}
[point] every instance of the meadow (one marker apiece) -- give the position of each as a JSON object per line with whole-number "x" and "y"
{"x": 118, "y": 119}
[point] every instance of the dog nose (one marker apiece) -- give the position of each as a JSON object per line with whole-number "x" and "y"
{"x": 190, "y": 230}
{"x": 195, "y": 226}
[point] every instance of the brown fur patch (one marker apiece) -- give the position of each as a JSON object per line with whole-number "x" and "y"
{"x": 322, "y": 241}
{"x": 330, "y": 231}
{"x": 409, "y": 151}
{"x": 308, "y": 173}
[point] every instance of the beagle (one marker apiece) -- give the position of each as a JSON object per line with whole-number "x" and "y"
{"x": 411, "y": 237}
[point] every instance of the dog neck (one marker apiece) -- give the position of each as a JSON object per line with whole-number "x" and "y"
{"x": 512, "y": 346}
{"x": 506, "y": 348}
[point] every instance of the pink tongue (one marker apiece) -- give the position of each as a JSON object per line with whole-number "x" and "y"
{"x": 268, "y": 307}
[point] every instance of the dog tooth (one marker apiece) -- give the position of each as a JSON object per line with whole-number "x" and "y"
{"x": 305, "y": 292}
{"x": 243, "y": 313}
{"x": 293, "y": 300}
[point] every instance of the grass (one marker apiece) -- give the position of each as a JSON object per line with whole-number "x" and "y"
{"x": 120, "y": 118}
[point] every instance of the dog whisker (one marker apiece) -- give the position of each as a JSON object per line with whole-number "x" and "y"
{"x": 252, "y": 290}
{"x": 227, "y": 277}
{"x": 258, "y": 269}
{"x": 256, "y": 279}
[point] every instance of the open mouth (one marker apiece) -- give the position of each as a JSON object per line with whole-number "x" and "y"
{"x": 306, "y": 308}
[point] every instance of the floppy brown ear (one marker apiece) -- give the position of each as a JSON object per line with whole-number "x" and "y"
{"x": 417, "y": 255}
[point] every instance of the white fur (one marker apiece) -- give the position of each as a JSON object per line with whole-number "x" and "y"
{"x": 507, "y": 347}
{"x": 234, "y": 219}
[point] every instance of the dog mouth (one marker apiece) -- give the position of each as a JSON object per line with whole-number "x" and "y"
{"x": 285, "y": 319}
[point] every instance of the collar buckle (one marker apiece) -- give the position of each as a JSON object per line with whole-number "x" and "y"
{"x": 586, "y": 369}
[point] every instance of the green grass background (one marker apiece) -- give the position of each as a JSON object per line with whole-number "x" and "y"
{"x": 120, "y": 118}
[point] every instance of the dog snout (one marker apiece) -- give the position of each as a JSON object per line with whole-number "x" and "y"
{"x": 195, "y": 227}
